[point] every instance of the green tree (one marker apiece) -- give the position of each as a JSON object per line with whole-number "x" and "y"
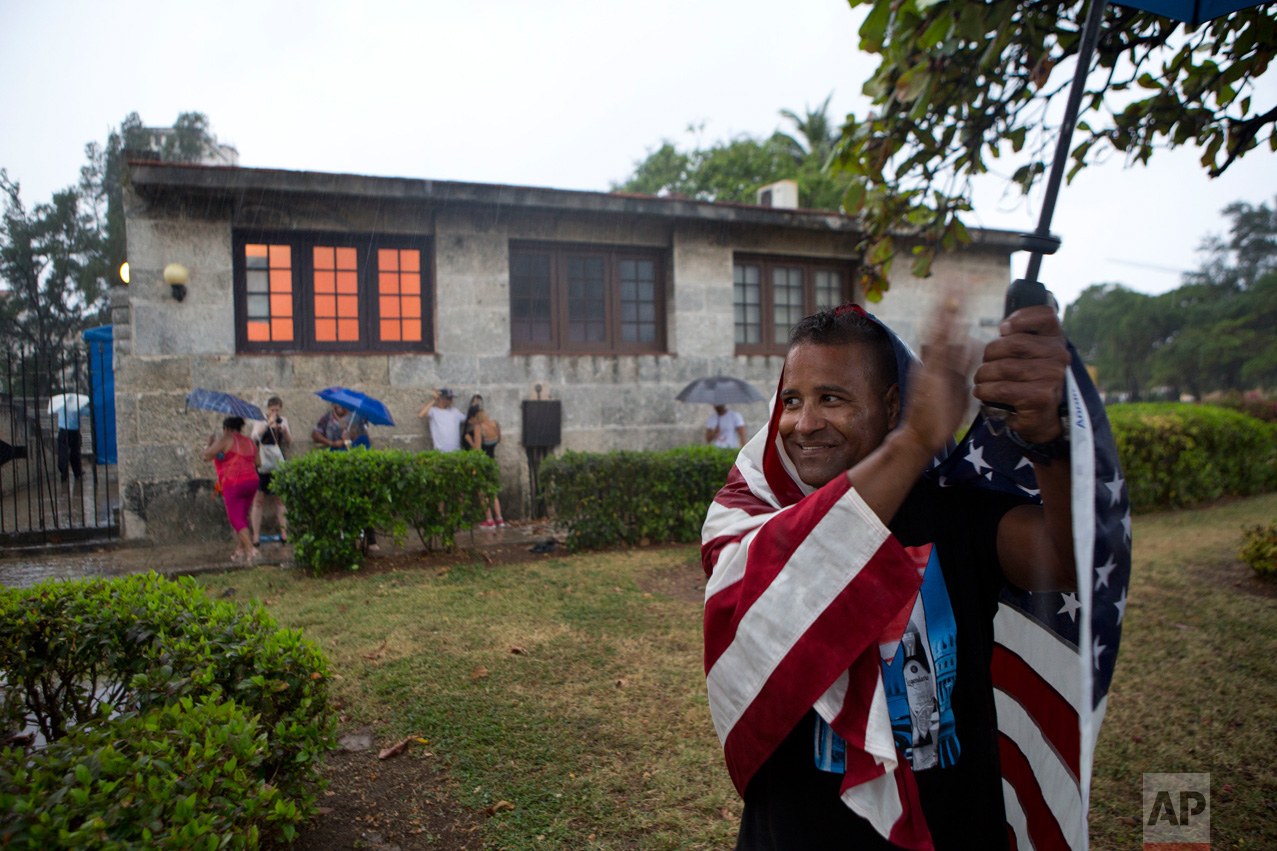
{"x": 57, "y": 260}
{"x": 49, "y": 260}
{"x": 1118, "y": 330}
{"x": 735, "y": 170}
{"x": 961, "y": 84}
{"x": 1216, "y": 332}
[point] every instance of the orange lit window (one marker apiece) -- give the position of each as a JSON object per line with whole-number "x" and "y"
{"x": 268, "y": 279}
{"x": 332, "y": 292}
{"x": 336, "y": 295}
{"x": 399, "y": 294}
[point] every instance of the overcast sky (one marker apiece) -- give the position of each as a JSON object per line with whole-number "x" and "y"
{"x": 557, "y": 93}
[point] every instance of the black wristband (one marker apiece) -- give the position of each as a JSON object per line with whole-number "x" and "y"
{"x": 1042, "y": 453}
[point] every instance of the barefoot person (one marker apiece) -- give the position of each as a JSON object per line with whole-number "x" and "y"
{"x": 236, "y": 460}
{"x": 271, "y": 437}
{"x": 485, "y": 434}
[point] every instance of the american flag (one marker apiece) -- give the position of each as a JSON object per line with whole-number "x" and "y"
{"x": 779, "y": 642}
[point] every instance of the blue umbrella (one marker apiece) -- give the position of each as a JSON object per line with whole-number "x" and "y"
{"x": 1191, "y": 12}
{"x": 372, "y": 410}
{"x": 1028, "y": 291}
{"x": 215, "y": 400}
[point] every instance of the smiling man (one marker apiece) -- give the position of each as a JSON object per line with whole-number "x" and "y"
{"x": 848, "y": 620}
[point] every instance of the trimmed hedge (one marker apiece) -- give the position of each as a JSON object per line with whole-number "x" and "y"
{"x": 625, "y": 497}
{"x": 1176, "y": 455}
{"x": 332, "y": 497}
{"x": 96, "y": 662}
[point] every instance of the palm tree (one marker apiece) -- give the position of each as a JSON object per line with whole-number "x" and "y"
{"x": 816, "y": 130}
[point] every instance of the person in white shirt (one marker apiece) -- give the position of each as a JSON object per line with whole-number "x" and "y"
{"x": 445, "y": 421}
{"x": 725, "y": 429}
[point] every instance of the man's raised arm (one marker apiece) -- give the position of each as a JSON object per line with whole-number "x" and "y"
{"x": 1025, "y": 367}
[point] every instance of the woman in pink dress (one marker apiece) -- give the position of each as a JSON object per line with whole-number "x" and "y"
{"x": 237, "y": 460}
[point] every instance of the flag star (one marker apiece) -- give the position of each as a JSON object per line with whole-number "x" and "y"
{"x": 1030, "y": 491}
{"x": 1024, "y": 462}
{"x": 976, "y": 456}
{"x": 1097, "y": 650}
{"x": 1071, "y": 605}
{"x": 944, "y": 481}
{"x": 1115, "y": 488}
{"x": 989, "y": 475}
{"x": 1121, "y": 606}
{"x": 1126, "y": 523}
{"x": 1102, "y": 573}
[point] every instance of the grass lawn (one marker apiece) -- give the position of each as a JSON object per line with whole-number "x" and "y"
{"x": 572, "y": 688}
{"x": 1196, "y": 683}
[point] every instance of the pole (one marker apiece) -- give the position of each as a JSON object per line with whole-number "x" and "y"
{"x": 1028, "y": 291}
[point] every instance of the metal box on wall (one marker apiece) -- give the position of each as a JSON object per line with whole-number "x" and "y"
{"x": 542, "y": 423}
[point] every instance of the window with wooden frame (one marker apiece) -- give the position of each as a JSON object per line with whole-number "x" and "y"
{"x": 586, "y": 299}
{"x": 331, "y": 293}
{"x": 771, "y": 294}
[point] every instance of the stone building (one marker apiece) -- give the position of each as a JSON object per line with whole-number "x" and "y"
{"x": 609, "y": 303}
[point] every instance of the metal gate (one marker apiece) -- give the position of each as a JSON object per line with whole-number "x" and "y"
{"x": 58, "y": 479}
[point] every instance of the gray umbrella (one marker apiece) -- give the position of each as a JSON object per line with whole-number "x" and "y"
{"x": 719, "y": 390}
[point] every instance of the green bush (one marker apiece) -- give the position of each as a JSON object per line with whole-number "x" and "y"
{"x": 1175, "y": 455}
{"x": 186, "y": 775}
{"x": 81, "y": 652}
{"x": 332, "y": 497}
{"x": 624, "y": 497}
{"x": 1259, "y": 549}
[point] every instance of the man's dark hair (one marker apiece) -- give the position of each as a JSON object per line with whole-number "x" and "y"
{"x": 233, "y": 423}
{"x": 274, "y": 400}
{"x": 845, "y": 326}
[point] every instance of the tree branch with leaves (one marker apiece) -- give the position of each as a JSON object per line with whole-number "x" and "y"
{"x": 959, "y": 85}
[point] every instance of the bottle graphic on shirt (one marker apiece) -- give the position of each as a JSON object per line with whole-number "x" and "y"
{"x": 920, "y": 691}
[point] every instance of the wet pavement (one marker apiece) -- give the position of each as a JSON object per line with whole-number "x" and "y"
{"x": 24, "y": 568}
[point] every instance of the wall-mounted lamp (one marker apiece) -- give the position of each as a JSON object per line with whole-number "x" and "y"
{"x": 124, "y": 271}
{"x": 176, "y": 276}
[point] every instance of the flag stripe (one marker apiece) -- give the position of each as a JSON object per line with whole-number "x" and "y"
{"x": 795, "y": 686}
{"x": 816, "y": 608}
{"x": 1041, "y": 826}
{"x": 1041, "y": 649}
{"x": 775, "y": 543}
{"x": 1053, "y": 714}
{"x": 1017, "y": 824}
{"x": 1058, "y": 787}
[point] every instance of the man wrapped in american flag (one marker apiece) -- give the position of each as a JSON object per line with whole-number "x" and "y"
{"x": 849, "y": 623}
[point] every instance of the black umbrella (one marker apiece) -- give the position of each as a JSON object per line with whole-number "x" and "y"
{"x": 719, "y": 390}
{"x": 1028, "y": 291}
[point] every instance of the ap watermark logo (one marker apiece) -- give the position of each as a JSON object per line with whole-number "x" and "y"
{"x": 1176, "y": 812}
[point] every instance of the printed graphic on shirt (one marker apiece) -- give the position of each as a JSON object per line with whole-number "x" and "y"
{"x": 920, "y": 674}
{"x": 831, "y": 750}
{"x": 919, "y": 668}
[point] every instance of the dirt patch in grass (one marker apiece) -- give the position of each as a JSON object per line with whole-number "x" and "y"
{"x": 680, "y": 581}
{"x": 1236, "y": 574}
{"x": 493, "y": 555}
{"x": 406, "y": 801}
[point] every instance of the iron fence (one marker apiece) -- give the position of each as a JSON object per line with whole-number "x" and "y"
{"x": 58, "y": 479}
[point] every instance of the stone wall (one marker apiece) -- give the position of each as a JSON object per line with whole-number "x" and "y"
{"x": 164, "y": 348}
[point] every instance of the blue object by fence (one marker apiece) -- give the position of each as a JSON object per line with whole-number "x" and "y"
{"x": 102, "y": 391}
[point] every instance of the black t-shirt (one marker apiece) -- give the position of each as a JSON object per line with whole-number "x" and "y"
{"x": 791, "y": 804}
